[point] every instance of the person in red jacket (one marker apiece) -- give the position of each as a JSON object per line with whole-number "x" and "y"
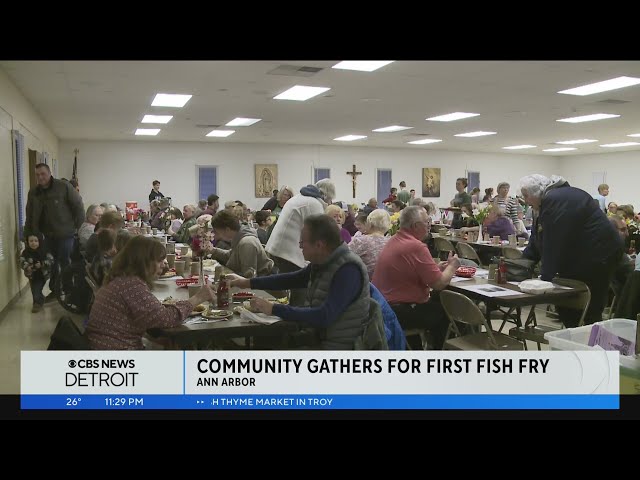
{"x": 392, "y": 196}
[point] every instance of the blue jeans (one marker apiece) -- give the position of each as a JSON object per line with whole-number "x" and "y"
{"x": 36, "y": 282}
{"x": 61, "y": 249}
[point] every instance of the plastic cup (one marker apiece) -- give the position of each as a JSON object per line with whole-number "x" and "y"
{"x": 179, "y": 266}
{"x": 193, "y": 289}
{"x": 195, "y": 268}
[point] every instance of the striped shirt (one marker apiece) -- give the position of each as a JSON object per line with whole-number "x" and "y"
{"x": 508, "y": 204}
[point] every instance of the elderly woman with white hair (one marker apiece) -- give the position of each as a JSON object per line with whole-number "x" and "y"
{"x": 94, "y": 212}
{"x": 369, "y": 246}
{"x": 337, "y": 213}
{"x": 284, "y": 242}
{"x": 573, "y": 239}
{"x": 277, "y": 202}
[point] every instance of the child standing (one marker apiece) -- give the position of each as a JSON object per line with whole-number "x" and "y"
{"x": 36, "y": 263}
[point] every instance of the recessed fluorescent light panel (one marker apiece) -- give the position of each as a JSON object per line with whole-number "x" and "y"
{"x": 634, "y": 135}
{"x": 623, "y": 144}
{"x": 157, "y": 118}
{"x": 170, "y": 100}
{"x": 425, "y": 141}
{"x": 519, "y": 147}
{"x": 588, "y": 118}
{"x": 475, "y": 134}
{"x": 242, "y": 122}
{"x": 350, "y": 138}
{"x": 576, "y": 142}
{"x": 563, "y": 149}
{"x": 301, "y": 93}
{"x": 450, "y": 117}
{"x": 362, "y": 66}
{"x": 391, "y": 128}
{"x": 220, "y": 133}
{"x": 147, "y": 131}
{"x": 605, "y": 86}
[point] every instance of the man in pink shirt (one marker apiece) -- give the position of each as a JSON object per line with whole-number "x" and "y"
{"x": 406, "y": 272}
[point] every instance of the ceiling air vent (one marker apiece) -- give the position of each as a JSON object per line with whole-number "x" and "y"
{"x": 294, "y": 71}
{"x": 612, "y": 101}
{"x": 202, "y": 125}
{"x": 416, "y": 136}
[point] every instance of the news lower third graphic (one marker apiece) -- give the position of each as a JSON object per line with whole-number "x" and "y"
{"x": 193, "y": 380}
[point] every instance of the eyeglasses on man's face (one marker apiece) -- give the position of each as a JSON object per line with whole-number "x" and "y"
{"x": 426, "y": 224}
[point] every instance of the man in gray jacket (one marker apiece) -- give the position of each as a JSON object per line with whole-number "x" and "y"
{"x": 246, "y": 256}
{"x": 54, "y": 209}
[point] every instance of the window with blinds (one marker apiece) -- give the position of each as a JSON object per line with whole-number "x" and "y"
{"x": 18, "y": 140}
{"x": 207, "y": 182}
{"x": 321, "y": 174}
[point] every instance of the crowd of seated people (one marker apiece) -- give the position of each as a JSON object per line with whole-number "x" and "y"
{"x": 332, "y": 271}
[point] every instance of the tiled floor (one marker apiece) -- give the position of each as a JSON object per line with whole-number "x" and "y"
{"x": 22, "y": 330}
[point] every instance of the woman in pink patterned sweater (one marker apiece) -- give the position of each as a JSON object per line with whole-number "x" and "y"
{"x": 124, "y": 308}
{"x": 369, "y": 246}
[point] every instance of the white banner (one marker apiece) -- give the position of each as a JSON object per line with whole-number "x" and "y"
{"x": 316, "y": 372}
{"x": 92, "y": 372}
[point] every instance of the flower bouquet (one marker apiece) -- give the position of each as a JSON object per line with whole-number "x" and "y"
{"x": 140, "y": 214}
{"x": 201, "y": 244}
{"x": 395, "y": 223}
{"x": 202, "y": 240}
{"x": 480, "y": 213}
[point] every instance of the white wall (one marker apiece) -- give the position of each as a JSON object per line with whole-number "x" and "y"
{"x": 621, "y": 174}
{"x": 119, "y": 171}
{"x": 16, "y": 113}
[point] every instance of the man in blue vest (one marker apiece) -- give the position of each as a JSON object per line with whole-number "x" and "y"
{"x": 337, "y": 282}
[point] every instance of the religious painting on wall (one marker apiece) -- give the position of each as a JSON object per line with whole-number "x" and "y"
{"x": 266, "y": 180}
{"x": 430, "y": 182}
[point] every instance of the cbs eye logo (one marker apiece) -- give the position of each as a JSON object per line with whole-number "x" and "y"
{"x": 72, "y": 363}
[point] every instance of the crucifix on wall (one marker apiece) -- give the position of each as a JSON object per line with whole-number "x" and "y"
{"x": 353, "y": 174}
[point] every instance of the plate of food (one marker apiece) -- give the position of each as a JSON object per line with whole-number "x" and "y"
{"x": 168, "y": 274}
{"x": 198, "y": 310}
{"x": 466, "y": 272}
{"x": 241, "y": 296}
{"x": 281, "y": 301}
{"x": 217, "y": 314}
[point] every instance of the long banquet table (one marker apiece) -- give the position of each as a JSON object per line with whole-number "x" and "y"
{"x": 213, "y": 334}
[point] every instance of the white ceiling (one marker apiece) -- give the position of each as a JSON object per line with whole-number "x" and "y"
{"x": 105, "y": 100}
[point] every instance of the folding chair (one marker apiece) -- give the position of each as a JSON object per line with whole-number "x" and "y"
{"x": 511, "y": 252}
{"x": 461, "y": 309}
{"x": 534, "y": 332}
{"x": 467, "y": 251}
{"x": 443, "y": 245}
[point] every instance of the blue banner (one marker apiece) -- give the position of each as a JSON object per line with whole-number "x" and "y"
{"x": 319, "y": 402}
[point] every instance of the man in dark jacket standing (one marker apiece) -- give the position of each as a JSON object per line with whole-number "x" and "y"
{"x": 573, "y": 239}
{"x": 155, "y": 191}
{"x": 55, "y": 209}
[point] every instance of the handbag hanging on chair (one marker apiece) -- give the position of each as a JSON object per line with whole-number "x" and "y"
{"x": 517, "y": 269}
